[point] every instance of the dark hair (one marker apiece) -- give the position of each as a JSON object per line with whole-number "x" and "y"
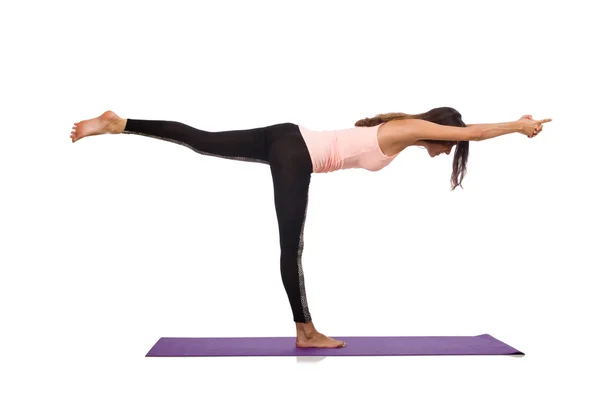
{"x": 443, "y": 115}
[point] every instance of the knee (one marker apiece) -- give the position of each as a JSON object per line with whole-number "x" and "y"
{"x": 291, "y": 251}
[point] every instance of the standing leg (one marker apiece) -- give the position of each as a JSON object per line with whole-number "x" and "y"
{"x": 290, "y": 188}
{"x": 291, "y": 169}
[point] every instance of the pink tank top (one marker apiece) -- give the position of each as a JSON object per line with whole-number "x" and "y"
{"x": 355, "y": 147}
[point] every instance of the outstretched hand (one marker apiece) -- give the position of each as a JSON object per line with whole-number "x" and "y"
{"x": 531, "y": 127}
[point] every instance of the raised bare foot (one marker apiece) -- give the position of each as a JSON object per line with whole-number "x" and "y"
{"x": 107, "y": 123}
{"x": 318, "y": 340}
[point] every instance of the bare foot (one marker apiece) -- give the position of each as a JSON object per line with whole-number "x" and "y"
{"x": 107, "y": 123}
{"x": 318, "y": 340}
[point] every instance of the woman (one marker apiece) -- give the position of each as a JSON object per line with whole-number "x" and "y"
{"x": 294, "y": 152}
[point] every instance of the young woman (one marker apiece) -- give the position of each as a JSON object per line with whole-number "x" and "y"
{"x": 294, "y": 152}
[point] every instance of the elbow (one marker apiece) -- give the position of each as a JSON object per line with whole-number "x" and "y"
{"x": 475, "y": 134}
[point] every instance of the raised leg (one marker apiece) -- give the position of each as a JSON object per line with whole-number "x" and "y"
{"x": 245, "y": 145}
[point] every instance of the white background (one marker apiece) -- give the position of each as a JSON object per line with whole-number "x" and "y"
{"x": 114, "y": 241}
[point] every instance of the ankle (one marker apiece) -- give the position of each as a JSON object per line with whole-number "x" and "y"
{"x": 117, "y": 126}
{"x": 306, "y": 330}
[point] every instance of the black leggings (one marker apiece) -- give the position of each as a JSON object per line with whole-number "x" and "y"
{"x": 282, "y": 147}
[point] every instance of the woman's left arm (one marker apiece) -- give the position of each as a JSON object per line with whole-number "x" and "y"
{"x": 493, "y": 130}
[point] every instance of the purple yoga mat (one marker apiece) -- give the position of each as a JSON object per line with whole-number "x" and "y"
{"x": 355, "y": 346}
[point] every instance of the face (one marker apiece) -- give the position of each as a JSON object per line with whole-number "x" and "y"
{"x": 435, "y": 149}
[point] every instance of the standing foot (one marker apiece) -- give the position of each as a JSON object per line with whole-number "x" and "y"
{"x": 308, "y": 336}
{"x": 319, "y": 340}
{"x": 107, "y": 123}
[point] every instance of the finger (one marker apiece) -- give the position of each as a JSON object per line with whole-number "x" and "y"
{"x": 545, "y": 120}
{"x": 538, "y": 130}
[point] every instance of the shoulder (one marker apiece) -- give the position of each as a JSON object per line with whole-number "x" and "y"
{"x": 400, "y": 130}
{"x": 390, "y": 140}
